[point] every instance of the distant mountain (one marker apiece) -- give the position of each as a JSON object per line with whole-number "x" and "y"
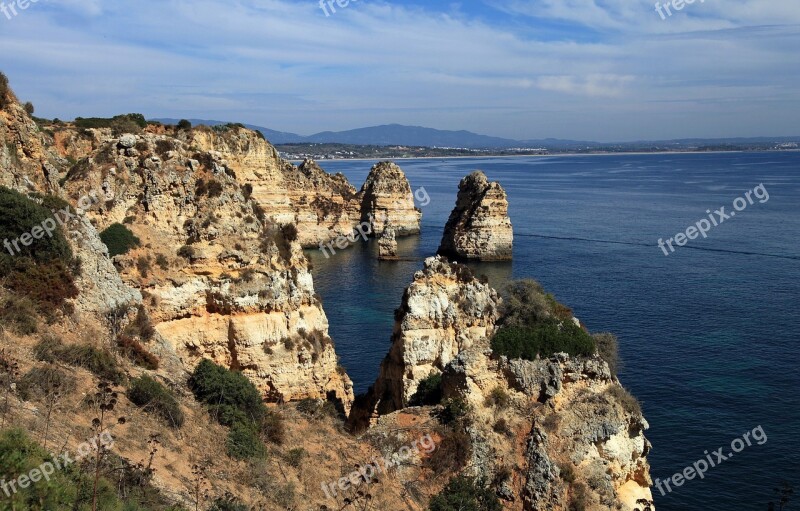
{"x": 396, "y": 134}
{"x": 417, "y": 136}
{"x": 392, "y": 134}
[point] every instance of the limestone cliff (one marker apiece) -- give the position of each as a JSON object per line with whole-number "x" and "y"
{"x": 29, "y": 163}
{"x": 479, "y": 227}
{"x": 222, "y": 280}
{"x": 550, "y": 433}
{"x": 386, "y": 199}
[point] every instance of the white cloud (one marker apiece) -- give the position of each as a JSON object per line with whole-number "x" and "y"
{"x": 284, "y": 65}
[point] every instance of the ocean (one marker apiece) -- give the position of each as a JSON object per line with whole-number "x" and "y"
{"x": 708, "y": 334}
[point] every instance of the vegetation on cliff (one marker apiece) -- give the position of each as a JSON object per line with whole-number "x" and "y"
{"x": 535, "y": 325}
{"x": 235, "y": 402}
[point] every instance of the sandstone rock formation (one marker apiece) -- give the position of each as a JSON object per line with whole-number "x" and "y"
{"x": 387, "y": 245}
{"x": 232, "y": 285}
{"x": 568, "y": 425}
{"x": 479, "y": 227}
{"x": 386, "y": 199}
{"x": 444, "y": 312}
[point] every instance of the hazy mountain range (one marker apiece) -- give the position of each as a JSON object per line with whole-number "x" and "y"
{"x": 397, "y": 134}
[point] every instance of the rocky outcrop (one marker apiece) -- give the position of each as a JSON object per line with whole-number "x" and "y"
{"x": 386, "y": 199}
{"x": 445, "y": 311}
{"x": 552, "y": 433}
{"x": 586, "y": 438}
{"x": 387, "y": 245}
{"x": 29, "y": 163}
{"x": 479, "y": 227}
{"x": 222, "y": 279}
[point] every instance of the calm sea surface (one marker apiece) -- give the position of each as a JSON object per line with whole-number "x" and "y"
{"x": 709, "y": 335}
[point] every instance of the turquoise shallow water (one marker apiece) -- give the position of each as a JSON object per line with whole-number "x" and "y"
{"x": 709, "y": 335}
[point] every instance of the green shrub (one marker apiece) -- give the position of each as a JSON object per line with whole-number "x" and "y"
{"x": 136, "y": 122}
{"x": 235, "y": 402}
{"x": 157, "y": 399}
{"x": 218, "y": 386}
{"x": 119, "y": 239}
{"x": 244, "y": 443}
{"x": 19, "y": 215}
{"x": 227, "y": 503}
{"x": 29, "y": 109}
{"x": 545, "y": 339}
{"x": 464, "y": 494}
{"x": 608, "y": 349}
{"x": 69, "y": 487}
{"x": 453, "y": 410}
{"x": 183, "y": 124}
{"x": 429, "y": 391}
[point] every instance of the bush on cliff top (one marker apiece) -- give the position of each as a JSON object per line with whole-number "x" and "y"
{"x": 535, "y": 324}
{"x": 543, "y": 340}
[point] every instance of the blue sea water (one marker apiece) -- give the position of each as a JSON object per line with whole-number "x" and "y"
{"x": 709, "y": 334}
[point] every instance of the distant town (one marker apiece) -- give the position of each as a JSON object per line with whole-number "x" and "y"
{"x": 375, "y": 152}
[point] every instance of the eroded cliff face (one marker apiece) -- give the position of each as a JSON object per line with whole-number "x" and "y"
{"x": 386, "y": 200}
{"x": 565, "y": 431}
{"x": 27, "y": 161}
{"x": 479, "y": 227}
{"x": 222, "y": 280}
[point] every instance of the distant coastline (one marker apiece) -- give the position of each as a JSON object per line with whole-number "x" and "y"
{"x": 545, "y": 155}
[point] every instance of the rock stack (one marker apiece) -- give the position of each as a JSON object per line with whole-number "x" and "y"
{"x": 386, "y": 198}
{"x": 387, "y": 245}
{"x": 479, "y": 227}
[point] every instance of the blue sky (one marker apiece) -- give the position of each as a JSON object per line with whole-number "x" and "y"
{"x": 607, "y": 70}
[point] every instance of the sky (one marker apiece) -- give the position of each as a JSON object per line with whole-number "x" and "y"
{"x": 603, "y": 70}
